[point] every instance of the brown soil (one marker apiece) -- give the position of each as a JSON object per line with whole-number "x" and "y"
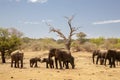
{"x": 84, "y": 70}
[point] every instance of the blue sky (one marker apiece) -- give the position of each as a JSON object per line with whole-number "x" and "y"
{"x": 96, "y": 18}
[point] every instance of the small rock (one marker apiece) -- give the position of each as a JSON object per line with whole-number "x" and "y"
{"x": 12, "y": 77}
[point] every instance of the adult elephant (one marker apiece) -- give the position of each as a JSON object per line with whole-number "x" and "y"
{"x": 94, "y": 54}
{"x": 117, "y": 56}
{"x": 16, "y": 57}
{"x": 101, "y": 54}
{"x": 61, "y": 56}
{"x": 112, "y": 56}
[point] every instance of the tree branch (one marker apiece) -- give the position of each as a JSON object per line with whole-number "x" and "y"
{"x": 52, "y": 29}
{"x": 71, "y": 33}
{"x": 72, "y": 29}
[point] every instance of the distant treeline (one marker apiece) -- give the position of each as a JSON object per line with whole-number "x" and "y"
{"x": 77, "y": 44}
{"x": 12, "y": 39}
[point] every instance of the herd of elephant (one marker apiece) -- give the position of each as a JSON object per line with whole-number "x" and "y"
{"x": 113, "y": 57}
{"x": 61, "y": 57}
{"x": 64, "y": 59}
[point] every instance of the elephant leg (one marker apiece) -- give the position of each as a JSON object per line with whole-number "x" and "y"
{"x": 113, "y": 62}
{"x": 11, "y": 63}
{"x": 105, "y": 61}
{"x": 93, "y": 56}
{"x": 52, "y": 64}
{"x": 32, "y": 64}
{"x": 110, "y": 63}
{"x": 73, "y": 66}
{"x": 97, "y": 60}
{"x": 21, "y": 63}
{"x": 36, "y": 64}
{"x": 101, "y": 61}
{"x": 64, "y": 64}
{"x": 67, "y": 67}
{"x": 56, "y": 63}
{"x": 60, "y": 64}
{"x": 15, "y": 64}
{"x": 47, "y": 64}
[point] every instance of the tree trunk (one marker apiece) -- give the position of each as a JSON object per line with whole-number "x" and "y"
{"x": 3, "y": 57}
{"x": 68, "y": 44}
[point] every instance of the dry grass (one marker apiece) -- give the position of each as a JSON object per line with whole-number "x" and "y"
{"x": 84, "y": 70}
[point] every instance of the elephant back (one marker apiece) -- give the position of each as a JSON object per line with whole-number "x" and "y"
{"x": 17, "y": 54}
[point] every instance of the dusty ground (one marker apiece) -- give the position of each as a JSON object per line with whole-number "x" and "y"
{"x": 84, "y": 70}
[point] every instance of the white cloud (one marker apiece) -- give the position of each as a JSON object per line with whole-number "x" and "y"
{"x": 37, "y": 1}
{"x": 31, "y": 1}
{"x": 107, "y": 22}
{"x": 45, "y": 21}
{"x": 28, "y": 22}
{"x": 36, "y": 22}
{"x": 31, "y": 22}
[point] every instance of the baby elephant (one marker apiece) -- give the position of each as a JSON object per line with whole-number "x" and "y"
{"x": 33, "y": 61}
{"x": 48, "y": 61}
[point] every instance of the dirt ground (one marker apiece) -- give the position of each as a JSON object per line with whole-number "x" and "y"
{"x": 84, "y": 70}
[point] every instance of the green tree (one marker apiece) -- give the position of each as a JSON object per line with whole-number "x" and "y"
{"x": 9, "y": 41}
{"x": 97, "y": 41}
{"x": 81, "y": 37}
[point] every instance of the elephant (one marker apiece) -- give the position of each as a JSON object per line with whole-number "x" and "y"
{"x": 117, "y": 56}
{"x": 101, "y": 54}
{"x": 61, "y": 56}
{"x": 33, "y": 61}
{"x": 49, "y": 62}
{"x": 112, "y": 56}
{"x": 95, "y": 53}
{"x": 16, "y": 57}
{"x": 68, "y": 60}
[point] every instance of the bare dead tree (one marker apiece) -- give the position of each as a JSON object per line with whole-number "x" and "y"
{"x": 67, "y": 40}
